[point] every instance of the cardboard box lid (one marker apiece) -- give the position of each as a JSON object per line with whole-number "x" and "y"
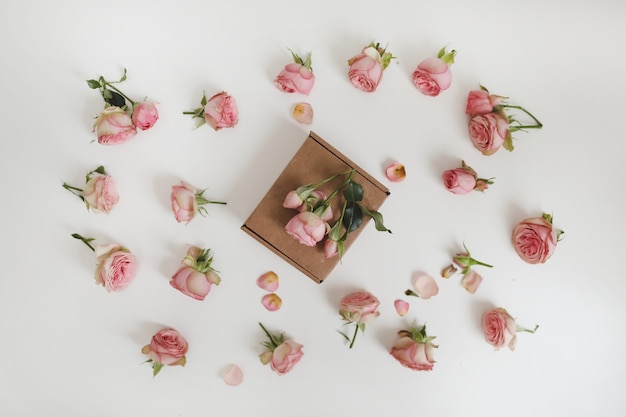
{"x": 313, "y": 162}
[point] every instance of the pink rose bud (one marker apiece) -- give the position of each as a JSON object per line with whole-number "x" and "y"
{"x": 183, "y": 199}
{"x": 167, "y": 347}
{"x": 284, "y": 357}
{"x": 535, "y": 239}
{"x": 272, "y": 302}
{"x": 308, "y": 228}
{"x": 100, "y": 193}
{"x": 402, "y": 307}
{"x": 295, "y": 78}
{"x": 194, "y": 283}
{"x": 366, "y": 70}
{"x": 471, "y": 281}
{"x": 481, "y": 102}
{"x": 221, "y": 111}
{"x": 448, "y": 271}
{"x": 395, "y": 172}
{"x": 488, "y": 132}
{"x": 233, "y": 375}
{"x": 116, "y": 266}
{"x": 113, "y": 126}
{"x": 268, "y": 281}
{"x": 499, "y": 328}
{"x": 425, "y": 286}
{"x": 145, "y": 115}
{"x": 432, "y": 76}
{"x": 458, "y": 181}
{"x": 303, "y": 113}
{"x": 292, "y": 200}
{"x": 331, "y": 248}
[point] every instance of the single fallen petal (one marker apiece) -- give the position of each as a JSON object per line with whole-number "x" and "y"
{"x": 402, "y": 307}
{"x": 272, "y": 302}
{"x": 395, "y": 172}
{"x": 233, "y": 375}
{"x": 303, "y": 113}
{"x": 268, "y": 281}
{"x": 448, "y": 271}
{"x": 425, "y": 286}
{"x": 471, "y": 281}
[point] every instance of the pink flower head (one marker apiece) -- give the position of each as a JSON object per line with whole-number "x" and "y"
{"x": 535, "y": 239}
{"x": 463, "y": 180}
{"x": 100, "y": 193}
{"x": 499, "y": 328}
{"x": 303, "y": 113}
{"x": 183, "y": 199}
{"x": 282, "y": 355}
{"x": 196, "y": 276}
{"x": 395, "y": 172}
{"x": 272, "y": 302}
{"x": 268, "y": 281}
{"x": 292, "y": 200}
{"x": 366, "y": 69}
{"x": 425, "y": 286}
{"x": 116, "y": 266}
{"x": 359, "y": 307}
{"x": 296, "y": 77}
{"x": 145, "y": 115}
{"x": 221, "y": 111}
{"x": 471, "y": 281}
{"x": 402, "y": 307}
{"x": 233, "y": 375}
{"x": 308, "y": 228}
{"x": 113, "y": 126}
{"x": 481, "y": 102}
{"x": 488, "y": 132}
{"x": 331, "y": 248}
{"x": 167, "y": 347}
{"x": 414, "y": 349}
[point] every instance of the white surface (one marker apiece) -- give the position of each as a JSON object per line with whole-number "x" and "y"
{"x": 69, "y": 348}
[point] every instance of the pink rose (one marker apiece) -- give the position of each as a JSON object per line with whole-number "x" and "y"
{"x": 331, "y": 248}
{"x": 113, "y": 126}
{"x": 295, "y": 78}
{"x": 534, "y": 239}
{"x": 432, "y": 76}
{"x": 184, "y": 205}
{"x": 221, "y": 111}
{"x": 499, "y": 328}
{"x": 116, "y": 266}
{"x": 307, "y": 227}
{"x": 292, "y": 200}
{"x": 359, "y": 307}
{"x": 285, "y": 356}
{"x": 366, "y": 70}
{"x": 100, "y": 193}
{"x": 414, "y": 349}
{"x": 488, "y": 132}
{"x": 145, "y": 115}
{"x": 481, "y": 102}
{"x": 167, "y": 347}
{"x": 458, "y": 181}
{"x": 194, "y": 283}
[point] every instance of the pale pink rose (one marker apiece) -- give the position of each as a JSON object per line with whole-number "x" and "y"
{"x": 481, "y": 102}
{"x": 233, "y": 375}
{"x": 272, "y": 302}
{"x": 292, "y": 200}
{"x": 194, "y": 283}
{"x": 308, "y": 228}
{"x": 330, "y": 248}
{"x": 184, "y": 204}
{"x": 303, "y": 113}
{"x": 167, "y": 347}
{"x": 145, "y": 115}
{"x": 366, "y": 70}
{"x": 221, "y": 111}
{"x": 359, "y": 307}
{"x": 499, "y": 328}
{"x": 413, "y": 355}
{"x": 395, "y": 172}
{"x": 425, "y": 286}
{"x": 295, "y": 78}
{"x": 402, "y": 307}
{"x": 116, "y": 266}
{"x": 284, "y": 357}
{"x": 534, "y": 240}
{"x": 113, "y": 126}
{"x": 458, "y": 181}
{"x": 268, "y": 281}
{"x": 432, "y": 76}
{"x": 100, "y": 193}
{"x": 488, "y": 132}
{"x": 471, "y": 281}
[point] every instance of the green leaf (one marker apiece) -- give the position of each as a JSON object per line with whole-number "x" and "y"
{"x": 353, "y": 192}
{"x": 123, "y": 76}
{"x": 296, "y": 58}
{"x": 353, "y": 217}
{"x": 156, "y": 368}
{"x": 100, "y": 170}
{"x": 93, "y": 84}
{"x": 378, "y": 219}
{"x": 508, "y": 142}
{"x": 113, "y": 98}
{"x": 344, "y": 335}
{"x": 203, "y": 101}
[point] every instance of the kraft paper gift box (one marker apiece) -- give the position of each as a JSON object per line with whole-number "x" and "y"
{"x": 315, "y": 161}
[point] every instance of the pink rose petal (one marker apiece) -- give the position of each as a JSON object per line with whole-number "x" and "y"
{"x": 402, "y": 307}
{"x": 271, "y": 302}
{"x": 471, "y": 281}
{"x": 268, "y": 281}
{"x": 233, "y": 375}
{"x": 425, "y": 286}
{"x": 395, "y": 172}
{"x": 303, "y": 113}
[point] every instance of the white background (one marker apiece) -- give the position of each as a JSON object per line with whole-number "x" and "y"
{"x": 69, "y": 348}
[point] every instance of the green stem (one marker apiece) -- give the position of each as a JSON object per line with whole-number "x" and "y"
{"x": 85, "y": 240}
{"x": 112, "y": 87}
{"x": 539, "y": 124}
{"x": 473, "y": 261}
{"x": 351, "y": 171}
{"x": 356, "y": 330}
{"x": 269, "y": 335}
{"x": 72, "y": 189}
{"x": 343, "y": 184}
{"x": 523, "y": 329}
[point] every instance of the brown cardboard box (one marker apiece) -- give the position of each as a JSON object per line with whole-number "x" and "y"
{"x": 314, "y": 161}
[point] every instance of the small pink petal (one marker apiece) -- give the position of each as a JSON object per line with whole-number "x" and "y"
{"x": 268, "y": 281}
{"x": 272, "y": 302}
{"x": 402, "y": 307}
{"x": 233, "y": 375}
{"x": 395, "y": 172}
{"x": 425, "y": 286}
{"x": 448, "y": 271}
{"x": 471, "y": 281}
{"x": 303, "y": 113}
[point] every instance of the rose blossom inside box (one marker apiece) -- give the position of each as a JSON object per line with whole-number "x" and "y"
{"x": 315, "y": 161}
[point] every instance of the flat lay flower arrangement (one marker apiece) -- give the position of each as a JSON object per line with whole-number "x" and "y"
{"x": 316, "y": 221}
